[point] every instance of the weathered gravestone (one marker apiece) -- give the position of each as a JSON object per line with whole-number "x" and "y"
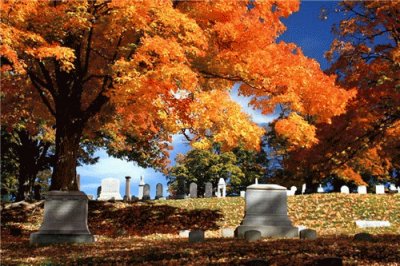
{"x": 127, "y": 196}
{"x": 208, "y": 190}
{"x": 159, "y": 191}
{"x": 344, "y": 190}
{"x": 64, "y": 220}
{"x": 146, "y": 192}
{"x": 303, "y": 188}
{"x": 266, "y": 211}
{"x": 193, "y": 190}
{"x": 320, "y": 189}
{"x": 243, "y": 194}
{"x": 141, "y": 188}
{"x": 110, "y": 189}
{"x": 380, "y": 189}
{"x": 362, "y": 190}
{"x": 196, "y": 236}
{"x": 292, "y": 191}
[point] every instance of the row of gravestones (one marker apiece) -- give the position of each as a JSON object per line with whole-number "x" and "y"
{"x": 109, "y": 190}
{"x": 379, "y": 189}
{"x": 208, "y": 192}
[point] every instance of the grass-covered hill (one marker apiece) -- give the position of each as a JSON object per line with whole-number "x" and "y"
{"x": 148, "y": 232}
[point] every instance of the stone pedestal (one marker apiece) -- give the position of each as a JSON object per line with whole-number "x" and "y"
{"x": 266, "y": 211}
{"x": 65, "y": 219}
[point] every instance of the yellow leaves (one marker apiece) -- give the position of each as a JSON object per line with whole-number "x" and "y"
{"x": 64, "y": 55}
{"x": 215, "y": 114}
{"x": 297, "y": 131}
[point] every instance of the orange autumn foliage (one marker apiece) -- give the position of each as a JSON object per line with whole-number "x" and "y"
{"x": 136, "y": 72}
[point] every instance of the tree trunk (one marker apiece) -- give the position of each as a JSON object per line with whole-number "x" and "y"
{"x": 68, "y": 135}
{"x": 27, "y": 165}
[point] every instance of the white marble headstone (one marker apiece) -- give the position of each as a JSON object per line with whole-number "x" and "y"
{"x": 380, "y": 189}
{"x": 110, "y": 189}
{"x": 320, "y": 189}
{"x": 362, "y": 190}
{"x": 365, "y": 224}
{"x": 392, "y": 187}
{"x": 344, "y": 190}
{"x": 303, "y": 188}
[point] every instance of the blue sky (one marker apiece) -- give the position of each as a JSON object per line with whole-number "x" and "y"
{"x": 304, "y": 28}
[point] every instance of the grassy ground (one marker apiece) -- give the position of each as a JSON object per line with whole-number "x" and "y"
{"x": 148, "y": 233}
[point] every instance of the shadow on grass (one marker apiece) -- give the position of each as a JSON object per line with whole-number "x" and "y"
{"x": 146, "y": 218}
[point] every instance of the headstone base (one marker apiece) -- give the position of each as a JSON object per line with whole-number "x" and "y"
{"x": 268, "y": 231}
{"x": 48, "y": 239}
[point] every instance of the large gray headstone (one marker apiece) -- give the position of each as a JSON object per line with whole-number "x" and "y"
{"x": 208, "y": 190}
{"x": 266, "y": 211}
{"x": 159, "y": 191}
{"x": 110, "y": 189}
{"x": 193, "y": 190}
{"x": 146, "y": 192}
{"x": 65, "y": 219}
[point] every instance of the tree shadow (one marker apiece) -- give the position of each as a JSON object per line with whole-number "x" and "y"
{"x": 141, "y": 219}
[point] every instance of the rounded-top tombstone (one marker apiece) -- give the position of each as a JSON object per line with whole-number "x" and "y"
{"x": 266, "y": 211}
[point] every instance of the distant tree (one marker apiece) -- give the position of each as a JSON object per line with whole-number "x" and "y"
{"x": 238, "y": 167}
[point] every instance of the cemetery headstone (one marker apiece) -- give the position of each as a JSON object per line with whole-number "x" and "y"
{"x": 252, "y": 235}
{"x": 344, "y": 190}
{"x": 196, "y": 236}
{"x": 392, "y": 188}
{"x": 227, "y": 232}
{"x": 243, "y": 194}
{"x": 362, "y": 190}
{"x": 363, "y": 237}
{"x": 98, "y": 192}
{"x": 141, "y": 188}
{"x": 380, "y": 189}
{"x": 256, "y": 181}
{"x": 184, "y": 233}
{"x": 208, "y": 190}
{"x": 127, "y": 196}
{"x": 221, "y": 189}
{"x": 266, "y": 211}
{"x": 292, "y": 191}
{"x": 398, "y": 189}
{"x": 365, "y": 224}
{"x": 159, "y": 191}
{"x": 193, "y": 190}
{"x": 320, "y": 189}
{"x": 110, "y": 189}
{"x": 308, "y": 234}
{"x": 146, "y": 192}
{"x": 303, "y": 188}
{"x": 64, "y": 220}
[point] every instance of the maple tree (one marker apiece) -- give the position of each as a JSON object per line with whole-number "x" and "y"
{"x": 138, "y": 72}
{"x": 362, "y": 145}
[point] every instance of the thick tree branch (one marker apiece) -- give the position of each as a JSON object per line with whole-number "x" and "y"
{"x": 41, "y": 92}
